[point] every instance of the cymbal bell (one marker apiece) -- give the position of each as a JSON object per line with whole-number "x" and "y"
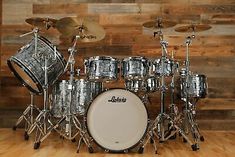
{"x": 193, "y": 28}
{"x": 42, "y": 23}
{"x": 159, "y": 24}
{"x": 88, "y": 31}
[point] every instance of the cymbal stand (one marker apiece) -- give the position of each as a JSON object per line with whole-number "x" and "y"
{"x": 188, "y": 112}
{"x": 157, "y": 127}
{"x": 42, "y": 122}
{"x": 27, "y": 116}
{"x": 72, "y": 125}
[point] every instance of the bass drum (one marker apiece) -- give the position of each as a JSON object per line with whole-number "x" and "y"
{"x": 117, "y": 120}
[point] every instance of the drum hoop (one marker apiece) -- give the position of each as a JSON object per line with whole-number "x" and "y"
{"x": 135, "y": 58}
{"x": 27, "y": 71}
{"x": 96, "y": 58}
{"x": 58, "y": 54}
{"x": 116, "y": 151}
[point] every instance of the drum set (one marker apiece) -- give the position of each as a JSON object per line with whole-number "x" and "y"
{"x": 116, "y": 119}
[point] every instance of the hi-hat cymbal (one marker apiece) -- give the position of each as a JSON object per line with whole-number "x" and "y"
{"x": 42, "y": 23}
{"x": 193, "y": 28}
{"x": 89, "y": 31}
{"x": 159, "y": 24}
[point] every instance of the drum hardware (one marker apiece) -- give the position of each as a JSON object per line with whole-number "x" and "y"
{"x": 157, "y": 127}
{"x": 188, "y": 118}
{"x": 27, "y": 116}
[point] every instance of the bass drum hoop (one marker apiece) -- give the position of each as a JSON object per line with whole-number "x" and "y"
{"x": 110, "y": 150}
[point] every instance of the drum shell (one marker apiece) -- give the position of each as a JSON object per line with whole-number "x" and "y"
{"x": 170, "y": 67}
{"x": 135, "y": 68}
{"x": 101, "y": 68}
{"x": 60, "y": 99}
{"x": 111, "y": 150}
{"x": 31, "y": 64}
{"x": 152, "y": 84}
{"x": 198, "y": 87}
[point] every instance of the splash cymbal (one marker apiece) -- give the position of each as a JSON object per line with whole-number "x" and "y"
{"x": 159, "y": 24}
{"x": 42, "y": 23}
{"x": 193, "y": 28}
{"x": 88, "y": 31}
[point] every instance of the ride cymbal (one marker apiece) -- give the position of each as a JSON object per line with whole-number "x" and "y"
{"x": 159, "y": 24}
{"x": 88, "y": 31}
{"x": 193, "y": 28}
{"x": 43, "y": 23}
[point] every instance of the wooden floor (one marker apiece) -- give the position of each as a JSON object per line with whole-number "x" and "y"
{"x": 217, "y": 144}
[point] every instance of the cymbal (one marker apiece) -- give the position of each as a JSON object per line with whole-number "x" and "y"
{"x": 43, "y": 23}
{"x": 193, "y": 28}
{"x": 88, "y": 31}
{"x": 159, "y": 24}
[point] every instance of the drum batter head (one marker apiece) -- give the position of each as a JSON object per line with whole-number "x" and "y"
{"x": 117, "y": 120}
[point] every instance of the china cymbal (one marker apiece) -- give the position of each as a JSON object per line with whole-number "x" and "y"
{"x": 159, "y": 24}
{"x": 193, "y": 28}
{"x": 89, "y": 31}
{"x": 43, "y": 23}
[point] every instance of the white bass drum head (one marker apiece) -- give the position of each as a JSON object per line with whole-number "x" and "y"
{"x": 117, "y": 119}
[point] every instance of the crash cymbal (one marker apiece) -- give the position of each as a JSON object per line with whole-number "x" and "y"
{"x": 193, "y": 28}
{"x": 42, "y": 23}
{"x": 89, "y": 31}
{"x": 159, "y": 24}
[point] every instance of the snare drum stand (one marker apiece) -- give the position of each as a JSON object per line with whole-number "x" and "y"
{"x": 28, "y": 116}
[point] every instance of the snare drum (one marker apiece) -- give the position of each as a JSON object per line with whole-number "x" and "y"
{"x": 117, "y": 120}
{"x": 198, "y": 87}
{"x": 101, "y": 68}
{"x": 135, "y": 68}
{"x": 28, "y": 66}
{"x": 170, "y": 67}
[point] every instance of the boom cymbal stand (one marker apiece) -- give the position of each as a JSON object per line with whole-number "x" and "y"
{"x": 157, "y": 127}
{"x": 189, "y": 110}
{"x": 27, "y": 115}
{"x": 42, "y": 122}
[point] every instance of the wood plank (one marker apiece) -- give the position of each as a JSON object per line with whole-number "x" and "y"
{"x": 60, "y": 9}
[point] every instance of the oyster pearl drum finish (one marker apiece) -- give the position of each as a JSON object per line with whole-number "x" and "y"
{"x": 198, "y": 87}
{"x": 83, "y": 91}
{"x": 28, "y": 66}
{"x": 101, "y": 68}
{"x": 170, "y": 67}
{"x": 117, "y": 120}
{"x": 135, "y": 68}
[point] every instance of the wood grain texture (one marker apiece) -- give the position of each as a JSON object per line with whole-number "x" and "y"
{"x": 12, "y": 143}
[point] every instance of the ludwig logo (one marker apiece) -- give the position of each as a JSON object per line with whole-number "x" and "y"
{"x": 117, "y": 99}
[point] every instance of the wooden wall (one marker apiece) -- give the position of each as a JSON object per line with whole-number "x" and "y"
{"x": 212, "y": 52}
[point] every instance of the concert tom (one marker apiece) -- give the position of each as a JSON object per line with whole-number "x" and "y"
{"x": 101, "y": 68}
{"x": 169, "y": 67}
